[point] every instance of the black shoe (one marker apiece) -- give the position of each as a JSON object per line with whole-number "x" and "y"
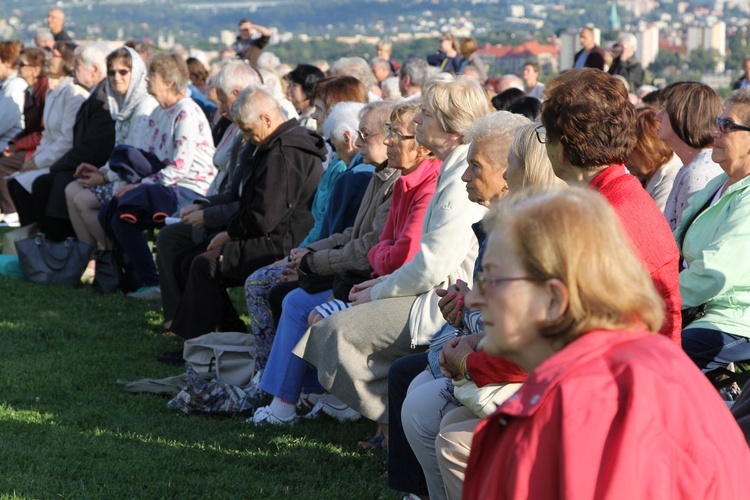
{"x": 173, "y": 358}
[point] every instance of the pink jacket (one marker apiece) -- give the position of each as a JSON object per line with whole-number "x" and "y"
{"x": 616, "y": 415}
{"x": 400, "y": 238}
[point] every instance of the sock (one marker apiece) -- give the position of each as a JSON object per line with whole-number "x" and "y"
{"x": 282, "y": 409}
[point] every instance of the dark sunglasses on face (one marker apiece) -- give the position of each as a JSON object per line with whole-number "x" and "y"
{"x": 725, "y": 126}
{"x": 121, "y": 72}
{"x": 22, "y": 64}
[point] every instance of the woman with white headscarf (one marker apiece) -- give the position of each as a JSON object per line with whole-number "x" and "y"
{"x": 130, "y": 106}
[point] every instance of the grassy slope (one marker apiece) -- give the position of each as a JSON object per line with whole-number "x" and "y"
{"x": 68, "y": 430}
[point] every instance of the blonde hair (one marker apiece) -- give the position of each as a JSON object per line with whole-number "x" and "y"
{"x": 537, "y": 169}
{"x": 456, "y": 102}
{"x": 574, "y": 235}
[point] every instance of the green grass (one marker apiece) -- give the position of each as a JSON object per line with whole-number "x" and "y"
{"x": 67, "y": 430}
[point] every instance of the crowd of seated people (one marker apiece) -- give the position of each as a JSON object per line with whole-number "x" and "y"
{"x": 502, "y": 293}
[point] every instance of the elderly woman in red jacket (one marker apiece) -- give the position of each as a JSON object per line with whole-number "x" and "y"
{"x": 591, "y": 420}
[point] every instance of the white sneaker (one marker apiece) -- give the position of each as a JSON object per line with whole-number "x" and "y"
{"x": 264, "y": 415}
{"x": 11, "y": 220}
{"x": 340, "y": 412}
{"x": 146, "y": 293}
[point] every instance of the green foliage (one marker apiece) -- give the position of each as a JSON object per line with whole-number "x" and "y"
{"x": 703, "y": 60}
{"x": 738, "y": 50}
{"x": 69, "y": 431}
{"x": 665, "y": 59}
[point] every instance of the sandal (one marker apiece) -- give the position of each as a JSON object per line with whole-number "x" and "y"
{"x": 376, "y": 442}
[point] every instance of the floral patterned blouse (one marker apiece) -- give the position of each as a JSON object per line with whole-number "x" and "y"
{"x": 181, "y": 137}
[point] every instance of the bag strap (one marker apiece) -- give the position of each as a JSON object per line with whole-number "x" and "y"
{"x": 50, "y": 260}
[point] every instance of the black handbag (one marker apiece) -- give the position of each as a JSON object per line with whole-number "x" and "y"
{"x": 52, "y": 262}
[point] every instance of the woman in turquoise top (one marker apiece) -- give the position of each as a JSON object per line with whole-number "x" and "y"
{"x": 714, "y": 238}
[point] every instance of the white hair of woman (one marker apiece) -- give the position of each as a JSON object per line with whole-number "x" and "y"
{"x": 343, "y": 117}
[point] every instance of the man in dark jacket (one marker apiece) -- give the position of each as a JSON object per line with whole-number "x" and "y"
{"x": 626, "y": 64}
{"x": 590, "y": 56}
{"x": 280, "y": 176}
{"x": 93, "y": 141}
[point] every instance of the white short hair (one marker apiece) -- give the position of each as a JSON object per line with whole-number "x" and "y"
{"x": 343, "y": 117}
{"x": 236, "y": 75}
{"x": 630, "y": 40}
{"x": 93, "y": 54}
{"x": 252, "y": 102}
{"x": 356, "y": 67}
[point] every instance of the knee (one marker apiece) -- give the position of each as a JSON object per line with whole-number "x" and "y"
{"x": 314, "y": 317}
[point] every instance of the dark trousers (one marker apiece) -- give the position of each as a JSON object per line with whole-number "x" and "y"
{"x": 32, "y": 207}
{"x": 404, "y": 471}
{"x": 176, "y": 251}
{"x": 8, "y": 165}
{"x": 712, "y": 349}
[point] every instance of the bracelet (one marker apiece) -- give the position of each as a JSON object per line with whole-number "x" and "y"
{"x": 463, "y": 369}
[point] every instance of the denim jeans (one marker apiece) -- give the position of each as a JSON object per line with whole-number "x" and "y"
{"x": 712, "y": 349}
{"x": 286, "y": 375}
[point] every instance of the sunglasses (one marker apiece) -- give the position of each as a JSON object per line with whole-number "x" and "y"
{"x": 22, "y": 64}
{"x": 121, "y": 72}
{"x": 725, "y": 126}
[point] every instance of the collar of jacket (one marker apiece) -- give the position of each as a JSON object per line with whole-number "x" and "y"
{"x": 587, "y": 349}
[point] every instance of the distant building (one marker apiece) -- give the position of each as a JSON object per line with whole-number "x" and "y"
{"x": 648, "y": 44}
{"x": 711, "y": 36}
{"x": 510, "y": 59}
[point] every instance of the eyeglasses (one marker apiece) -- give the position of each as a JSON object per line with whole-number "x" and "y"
{"x": 541, "y": 134}
{"x": 484, "y": 283}
{"x": 365, "y": 137}
{"x": 121, "y": 72}
{"x": 396, "y": 137}
{"x": 22, "y": 64}
{"x": 725, "y": 126}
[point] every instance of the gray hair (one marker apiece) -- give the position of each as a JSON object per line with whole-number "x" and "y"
{"x": 514, "y": 81}
{"x": 416, "y": 70}
{"x": 630, "y": 40}
{"x": 455, "y": 103}
{"x": 268, "y": 61}
{"x": 93, "y": 54}
{"x": 343, "y": 117}
{"x": 390, "y": 86}
{"x": 252, "y": 102}
{"x": 495, "y": 132}
{"x": 236, "y": 76}
{"x": 356, "y": 67}
{"x": 379, "y": 61}
{"x": 740, "y": 97}
{"x": 43, "y": 35}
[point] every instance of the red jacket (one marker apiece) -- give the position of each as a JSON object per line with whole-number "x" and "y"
{"x": 402, "y": 233}
{"x": 650, "y": 233}
{"x": 616, "y": 415}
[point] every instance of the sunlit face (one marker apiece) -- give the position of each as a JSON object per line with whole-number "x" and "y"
{"x": 319, "y": 115}
{"x": 403, "y": 152}
{"x": 429, "y": 132}
{"x": 529, "y": 75}
{"x": 372, "y": 149}
{"x": 85, "y": 76}
{"x": 119, "y": 76}
{"x": 587, "y": 39}
{"x": 159, "y": 88}
{"x": 732, "y": 150}
{"x": 445, "y": 45}
{"x": 383, "y": 53}
{"x": 514, "y": 174}
{"x": 666, "y": 133}
{"x": 484, "y": 175}
{"x": 296, "y": 95}
{"x": 225, "y": 102}
{"x": 28, "y": 72}
{"x": 245, "y": 29}
{"x": 55, "y": 21}
{"x": 254, "y": 132}
{"x": 512, "y": 310}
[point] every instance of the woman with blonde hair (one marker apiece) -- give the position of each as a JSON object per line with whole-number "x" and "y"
{"x": 392, "y": 314}
{"x": 550, "y": 310}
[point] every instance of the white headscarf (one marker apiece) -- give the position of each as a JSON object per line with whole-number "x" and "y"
{"x": 121, "y": 109}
